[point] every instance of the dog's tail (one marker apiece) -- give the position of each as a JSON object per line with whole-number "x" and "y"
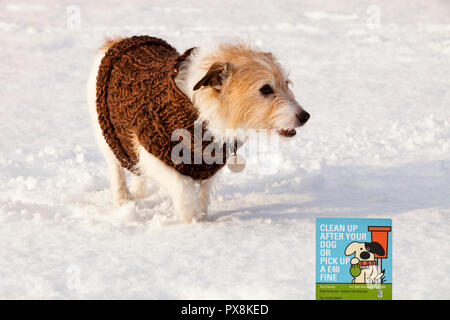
{"x": 109, "y": 42}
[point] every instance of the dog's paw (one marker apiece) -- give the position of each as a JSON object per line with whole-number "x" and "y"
{"x": 199, "y": 217}
{"x": 120, "y": 202}
{"x": 192, "y": 217}
{"x": 122, "y": 199}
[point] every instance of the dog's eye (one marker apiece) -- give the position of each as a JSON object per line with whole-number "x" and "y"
{"x": 266, "y": 90}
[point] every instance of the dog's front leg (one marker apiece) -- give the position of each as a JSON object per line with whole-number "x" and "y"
{"x": 187, "y": 199}
{"x": 184, "y": 191}
{"x": 206, "y": 190}
{"x": 138, "y": 187}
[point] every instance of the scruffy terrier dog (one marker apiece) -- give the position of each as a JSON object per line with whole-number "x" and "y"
{"x": 141, "y": 90}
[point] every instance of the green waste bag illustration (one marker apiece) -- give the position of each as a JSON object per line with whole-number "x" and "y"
{"x": 355, "y": 270}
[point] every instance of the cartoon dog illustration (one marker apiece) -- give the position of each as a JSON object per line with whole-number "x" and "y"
{"x": 363, "y": 265}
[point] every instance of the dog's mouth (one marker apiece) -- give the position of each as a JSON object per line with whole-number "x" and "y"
{"x": 287, "y": 132}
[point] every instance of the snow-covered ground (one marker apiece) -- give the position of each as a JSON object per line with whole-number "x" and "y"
{"x": 377, "y": 145}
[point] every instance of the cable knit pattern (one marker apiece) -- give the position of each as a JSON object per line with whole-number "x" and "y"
{"x": 137, "y": 99}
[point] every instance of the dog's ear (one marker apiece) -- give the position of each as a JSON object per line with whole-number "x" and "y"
{"x": 375, "y": 247}
{"x": 215, "y": 77}
{"x": 351, "y": 248}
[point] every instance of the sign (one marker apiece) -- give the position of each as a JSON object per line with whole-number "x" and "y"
{"x": 353, "y": 259}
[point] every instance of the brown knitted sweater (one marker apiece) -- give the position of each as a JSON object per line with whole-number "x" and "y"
{"x": 137, "y": 99}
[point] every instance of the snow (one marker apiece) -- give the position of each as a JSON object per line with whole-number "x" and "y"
{"x": 377, "y": 145}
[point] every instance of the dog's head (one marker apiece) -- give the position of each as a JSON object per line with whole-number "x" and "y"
{"x": 245, "y": 88}
{"x": 365, "y": 250}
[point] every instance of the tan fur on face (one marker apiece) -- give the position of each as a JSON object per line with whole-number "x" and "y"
{"x": 240, "y": 103}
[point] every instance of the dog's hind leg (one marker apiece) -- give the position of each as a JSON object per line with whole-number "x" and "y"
{"x": 116, "y": 172}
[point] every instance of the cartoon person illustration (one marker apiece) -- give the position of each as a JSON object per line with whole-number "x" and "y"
{"x": 363, "y": 264}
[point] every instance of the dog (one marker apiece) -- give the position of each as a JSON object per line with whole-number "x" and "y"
{"x": 365, "y": 259}
{"x": 231, "y": 86}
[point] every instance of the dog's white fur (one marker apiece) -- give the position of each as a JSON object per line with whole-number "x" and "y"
{"x": 191, "y": 198}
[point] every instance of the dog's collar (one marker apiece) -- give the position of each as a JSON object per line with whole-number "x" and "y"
{"x": 367, "y": 263}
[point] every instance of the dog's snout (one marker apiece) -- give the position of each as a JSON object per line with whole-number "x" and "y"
{"x": 365, "y": 255}
{"x": 303, "y": 117}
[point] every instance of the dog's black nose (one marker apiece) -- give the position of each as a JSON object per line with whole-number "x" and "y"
{"x": 303, "y": 117}
{"x": 365, "y": 255}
